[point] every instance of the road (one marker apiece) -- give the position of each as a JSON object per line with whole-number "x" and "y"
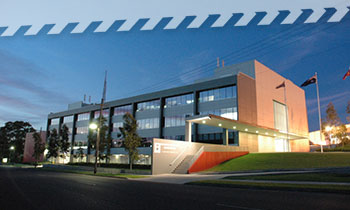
{"x": 37, "y": 189}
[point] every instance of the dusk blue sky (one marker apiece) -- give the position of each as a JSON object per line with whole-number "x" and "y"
{"x": 43, "y": 73}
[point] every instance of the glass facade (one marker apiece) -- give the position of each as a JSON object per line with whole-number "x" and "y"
{"x": 68, "y": 119}
{"x": 150, "y": 123}
{"x": 83, "y": 116}
{"x": 230, "y": 113}
{"x": 179, "y": 100}
{"x": 121, "y": 110}
{"x": 217, "y": 138}
{"x": 55, "y": 121}
{"x": 82, "y": 130}
{"x": 105, "y": 114}
{"x": 217, "y": 94}
{"x": 116, "y": 126}
{"x": 174, "y": 121}
{"x": 149, "y": 105}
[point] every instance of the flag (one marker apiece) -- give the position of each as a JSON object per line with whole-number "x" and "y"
{"x": 104, "y": 87}
{"x": 281, "y": 85}
{"x": 347, "y": 74}
{"x": 310, "y": 81}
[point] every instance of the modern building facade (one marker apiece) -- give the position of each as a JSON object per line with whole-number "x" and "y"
{"x": 244, "y": 92}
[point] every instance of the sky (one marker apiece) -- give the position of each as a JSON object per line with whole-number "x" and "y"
{"x": 44, "y": 73}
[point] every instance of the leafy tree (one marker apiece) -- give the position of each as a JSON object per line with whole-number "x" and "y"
{"x": 53, "y": 144}
{"x": 341, "y": 135}
{"x": 64, "y": 141}
{"x": 81, "y": 154}
{"x": 39, "y": 146}
{"x": 348, "y": 111}
{"x": 14, "y": 133}
{"x": 4, "y": 144}
{"x": 105, "y": 140}
{"x": 131, "y": 139}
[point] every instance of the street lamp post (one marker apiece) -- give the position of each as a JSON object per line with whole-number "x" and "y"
{"x": 12, "y": 149}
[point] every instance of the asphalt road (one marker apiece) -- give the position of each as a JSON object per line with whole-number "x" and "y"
{"x": 35, "y": 189}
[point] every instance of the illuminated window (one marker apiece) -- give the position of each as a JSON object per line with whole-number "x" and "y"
{"x": 82, "y": 130}
{"x": 68, "y": 119}
{"x": 55, "y": 121}
{"x": 84, "y": 116}
{"x": 174, "y": 121}
{"x": 121, "y": 110}
{"x": 149, "y": 105}
{"x": 217, "y": 94}
{"x": 179, "y": 100}
{"x": 150, "y": 123}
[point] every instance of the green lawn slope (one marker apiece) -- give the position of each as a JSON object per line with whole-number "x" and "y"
{"x": 270, "y": 161}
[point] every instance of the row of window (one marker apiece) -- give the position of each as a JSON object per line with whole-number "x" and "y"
{"x": 155, "y": 104}
{"x": 204, "y": 96}
{"x": 174, "y": 121}
{"x": 179, "y": 100}
{"x": 116, "y": 126}
{"x": 82, "y": 130}
{"x": 150, "y": 123}
{"x": 230, "y": 113}
{"x": 105, "y": 113}
{"x": 217, "y": 94}
{"x": 122, "y": 110}
{"x": 218, "y": 137}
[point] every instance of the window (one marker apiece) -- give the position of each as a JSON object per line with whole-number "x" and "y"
{"x": 68, "y": 119}
{"x": 105, "y": 114}
{"x": 82, "y": 130}
{"x": 280, "y": 115}
{"x": 217, "y": 94}
{"x": 148, "y": 105}
{"x": 55, "y": 121}
{"x": 179, "y": 100}
{"x": 116, "y": 126}
{"x": 84, "y": 116}
{"x": 174, "y": 121}
{"x": 121, "y": 110}
{"x": 230, "y": 113}
{"x": 150, "y": 123}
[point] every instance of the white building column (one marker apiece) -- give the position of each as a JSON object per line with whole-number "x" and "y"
{"x": 188, "y": 132}
{"x": 225, "y": 136}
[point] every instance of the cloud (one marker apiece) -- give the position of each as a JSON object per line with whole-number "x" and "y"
{"x": 328, "y": 98}
{"x": 24, "y": 75}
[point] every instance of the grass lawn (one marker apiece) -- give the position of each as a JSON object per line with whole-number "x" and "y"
{"x": 274, "y": 186}
{"x": 315, "y": 177}
{"x": 270, "y": 161}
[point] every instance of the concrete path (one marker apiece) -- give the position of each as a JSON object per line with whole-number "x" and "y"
{"x": 185, "y": 178}
{"x": 291, "y": 182}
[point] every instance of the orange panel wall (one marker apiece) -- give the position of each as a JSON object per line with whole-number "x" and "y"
{"x": 266, "y": 92}
{"x": 246, "y": 95}
{"x": 210, "y": 159}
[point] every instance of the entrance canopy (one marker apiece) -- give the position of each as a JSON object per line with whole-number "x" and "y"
{"x": 225, "y": 123}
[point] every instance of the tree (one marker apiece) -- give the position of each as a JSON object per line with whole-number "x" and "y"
{"x": 53, "y": 144}
{"x": 80, "y": 154}
{"x": 14, "y": 133}
{"x": 131, "y": 139}
{"x": 105, "y": 140}
{"x": 64, "y": 141}
{"x": 341, "y": 135}
{"x": 348, "y": 111}
{"x": 39, "y": 147}
{"x": 4, "y": 144}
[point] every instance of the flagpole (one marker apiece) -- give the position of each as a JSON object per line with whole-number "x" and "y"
{"x": 319, "y": 112}
{"x": 287, "y": 118}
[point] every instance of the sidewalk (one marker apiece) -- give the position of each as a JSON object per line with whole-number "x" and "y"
{"x": 185, "y": 178}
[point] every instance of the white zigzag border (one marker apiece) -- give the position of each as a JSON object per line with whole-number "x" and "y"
{"x": 61, "y": 13}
